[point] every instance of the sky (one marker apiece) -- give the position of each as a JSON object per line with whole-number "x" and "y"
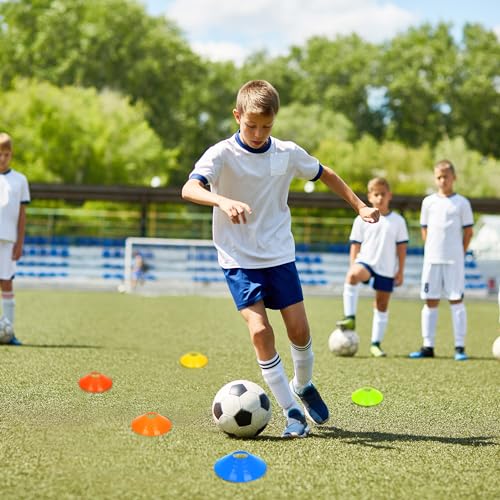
{"x": 231, "y": 30}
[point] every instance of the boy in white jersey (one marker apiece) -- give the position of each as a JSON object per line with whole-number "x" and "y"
{"x": 249, "y": 176}
{"x": 446, "y": 220}
{"x": 14, "y": 195}
{"x": 377, "y": 252}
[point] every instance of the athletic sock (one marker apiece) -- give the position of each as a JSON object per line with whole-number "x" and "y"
{"x": 459, "y": 320}
{"x": 275, "y": 377}
{"x": 350, "y": 297}
{"x": 429, "y": 322}
{"x": 303, "y": 359}
{"x": 379, "y": 325}
{"x": 8, "y": 306}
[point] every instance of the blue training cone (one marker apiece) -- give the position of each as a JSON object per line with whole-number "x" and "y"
{"x": 240, "y": 467}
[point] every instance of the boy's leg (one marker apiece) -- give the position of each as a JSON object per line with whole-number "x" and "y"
{"x": 295, "y": 319}
{"x": 459, "y": 320}
{"x": 355, "y": 275}
{"x": 8, "y": 302}
{"x": 272, "y": 370}
{"x": 379, "y": 322}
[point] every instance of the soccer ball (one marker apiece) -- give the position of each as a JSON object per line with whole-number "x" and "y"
{"x": 496, "y": 348}
{"x": 343, "y": 342}
{"x": 241, "y": 409}
{"x": 6, "y": 330}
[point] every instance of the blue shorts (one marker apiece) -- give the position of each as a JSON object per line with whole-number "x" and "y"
{"x": 381, "y": 283}
{"x": 278, "y": 286}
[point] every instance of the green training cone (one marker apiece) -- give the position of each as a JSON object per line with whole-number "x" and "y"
{"x": 367, "y": 396}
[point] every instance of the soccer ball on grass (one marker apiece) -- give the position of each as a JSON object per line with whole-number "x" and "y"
{"x": 343, "y": 342}
{"x": 6, "y": 330}
{"x": 241, "y": 409}
{"x": 496, "y": 348}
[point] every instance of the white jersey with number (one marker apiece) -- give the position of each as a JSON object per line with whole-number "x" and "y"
{"x": 261, "y": 178}
{"x": 445, "y": 217}
{"x": 14, "y": 192}
{"x": 379, "y": 242}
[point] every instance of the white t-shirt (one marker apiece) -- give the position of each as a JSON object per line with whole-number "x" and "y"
{"x": 378, "y": 242}
{"x": 261, "y": 178}
{"x": 445, "y": 217}
{"x": 14, "y": 191}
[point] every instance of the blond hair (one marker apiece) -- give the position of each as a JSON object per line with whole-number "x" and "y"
{"x": 445, "y": 165}
{"x": 259, "y": 97}
{"x": 5, "y": 141}
{"x": 376, "y": 182}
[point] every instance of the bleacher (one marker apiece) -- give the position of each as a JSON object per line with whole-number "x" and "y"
{"x": 97, "y": 263}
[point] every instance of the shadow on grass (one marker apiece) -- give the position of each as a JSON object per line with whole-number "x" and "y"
{"x": 61, "y": 346}
{"x": 444, "y": 358}
{"x": 384, "y": 439}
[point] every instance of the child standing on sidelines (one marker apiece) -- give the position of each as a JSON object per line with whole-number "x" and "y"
{"x": 446, "y": 220}
{"x": 377, "y": 252}
{"x": 14, "y": 195}
{"x": 249, "y": 176}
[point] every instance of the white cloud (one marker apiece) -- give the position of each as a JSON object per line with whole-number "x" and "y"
{"x": 217, "y": 26}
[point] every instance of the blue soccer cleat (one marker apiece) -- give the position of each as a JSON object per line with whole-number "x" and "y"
{"x": 296, "y": 425}
{"x": 461, "y": 356}
{"x": 314, "y": 406}
{"x": 14, "y": 341}
{"x": 425, "y": 352}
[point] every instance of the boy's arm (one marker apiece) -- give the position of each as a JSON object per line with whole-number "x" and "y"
{"x": 467, "y": 236}
{"x": 423, "y": 231}
{"x": 337, "y": 185}
{"x": 17, "y": 251}
{"x": 195, "y": 191}
{"x": 401, "y": 253}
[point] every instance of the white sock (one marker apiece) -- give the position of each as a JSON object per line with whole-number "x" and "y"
{"x": 350, "y": 296}
{"x": 303, "y": 359}
{"x": 379, "y": 324}
{"x": 459, "y": 320}
{"x": 429, "y": 322}
{"x": 275, "y": 377}
{"x": 8, "y": 306}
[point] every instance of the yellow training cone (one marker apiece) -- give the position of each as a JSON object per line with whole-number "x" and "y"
{"x": 193, "y": 360}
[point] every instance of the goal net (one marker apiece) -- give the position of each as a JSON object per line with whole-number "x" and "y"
{"x": 173, "y": 266}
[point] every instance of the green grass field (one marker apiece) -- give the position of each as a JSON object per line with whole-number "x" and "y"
{"x": 435, "y": 435}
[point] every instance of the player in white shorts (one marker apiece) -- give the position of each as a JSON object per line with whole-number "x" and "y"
{"x": 14, "y": 195}
{"x": 377, "y": 254}
{"x": 446, "y": 220}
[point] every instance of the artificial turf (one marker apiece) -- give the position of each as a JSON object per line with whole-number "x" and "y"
{"x": 435, "y": 435}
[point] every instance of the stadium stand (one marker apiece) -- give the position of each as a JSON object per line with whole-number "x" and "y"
{"x": 99, "y": 264}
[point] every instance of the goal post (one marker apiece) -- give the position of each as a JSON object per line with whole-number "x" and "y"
{"x": 171, "y": 265}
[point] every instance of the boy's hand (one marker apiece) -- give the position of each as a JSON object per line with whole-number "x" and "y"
{"x": 398, "y": 279}
{"x": 235, "y": 210}
{"x": 17, "y": 251}
{"x": 369, "y": 214}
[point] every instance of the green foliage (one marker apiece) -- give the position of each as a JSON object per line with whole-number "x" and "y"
{"x": 76, "y": 135}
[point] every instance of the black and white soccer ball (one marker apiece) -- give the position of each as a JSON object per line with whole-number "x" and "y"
{"x": 6, "y": 330}
{"x": 241, "y": 409}
{"x": 343, "y": 342}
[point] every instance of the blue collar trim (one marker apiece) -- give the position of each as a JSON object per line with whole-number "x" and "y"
{"x": 6, "y": 172}
{"x": 263, "y": 149}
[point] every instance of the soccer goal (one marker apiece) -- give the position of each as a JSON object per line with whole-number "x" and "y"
{"x": 163, "y": 265}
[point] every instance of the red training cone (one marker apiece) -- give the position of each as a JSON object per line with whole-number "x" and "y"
{"x": 95, "y": 382}
{"x": 151, "y": 424}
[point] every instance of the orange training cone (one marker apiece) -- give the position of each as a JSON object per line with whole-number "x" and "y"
{"x": 151, "y": 424}
{"x": 95, "y": 382}
{"x": 193, "y": 360}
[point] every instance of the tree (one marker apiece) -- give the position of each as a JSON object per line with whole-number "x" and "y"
{"x": 475, "y": 102}
{"x": 75, "y": 135}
